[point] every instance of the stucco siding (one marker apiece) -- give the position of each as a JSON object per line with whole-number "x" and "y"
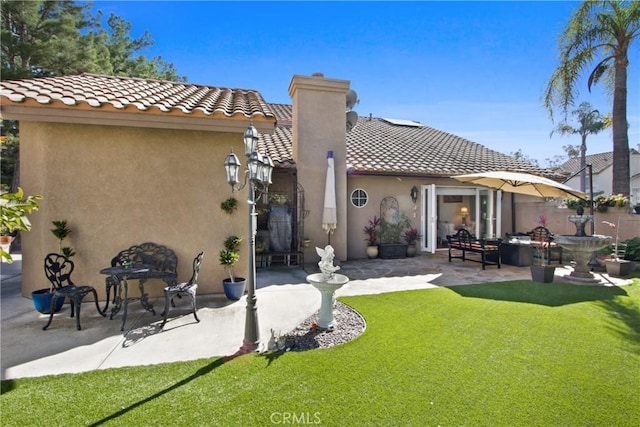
{"x": 119, "y": 186}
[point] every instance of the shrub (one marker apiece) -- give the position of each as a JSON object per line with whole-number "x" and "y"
{"x": 632, "y": 252}
{"x": 229, "y": 205}
{"x": 229, "y": 256}
{"x": 371, "y": 231}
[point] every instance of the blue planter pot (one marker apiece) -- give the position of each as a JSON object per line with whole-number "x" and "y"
{"x": 42, "y": 301}
{"x": 234, "y": 290}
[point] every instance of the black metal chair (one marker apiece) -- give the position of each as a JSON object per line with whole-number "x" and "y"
{"x": 541, "y": 236}
{"x": 189, "y": 288}
{"x": 58, "y": 269}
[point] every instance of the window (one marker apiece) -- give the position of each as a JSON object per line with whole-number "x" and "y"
{"x": 359, "y": 198}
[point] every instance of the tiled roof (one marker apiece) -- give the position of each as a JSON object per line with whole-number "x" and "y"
{"x": 598, "y": 162}
{"x": 131, "y": 94}
{"x": 379, "y": 146}
{"x": 376, "y": 146}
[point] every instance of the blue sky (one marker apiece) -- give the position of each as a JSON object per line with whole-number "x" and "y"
{"x": 475, "y": 69}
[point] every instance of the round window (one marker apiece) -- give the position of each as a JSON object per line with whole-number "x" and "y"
{"x": 359, "y": 198}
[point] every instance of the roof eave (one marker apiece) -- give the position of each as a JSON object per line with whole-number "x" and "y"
{"x": 235, "y": 123}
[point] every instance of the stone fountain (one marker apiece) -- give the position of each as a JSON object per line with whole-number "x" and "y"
{"x": 582, "y": 247}
{"x": 327, "y": 282}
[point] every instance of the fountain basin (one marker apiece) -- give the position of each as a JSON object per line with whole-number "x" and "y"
{"x": 327, "y": 288}
{"x": 582, "y": 243}
{"x": 582, "y": 248}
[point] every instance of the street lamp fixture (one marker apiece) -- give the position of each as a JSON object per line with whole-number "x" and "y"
{"x": 258, "y": 175}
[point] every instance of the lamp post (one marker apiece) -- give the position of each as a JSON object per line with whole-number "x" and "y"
{"x": 258, "y": 174}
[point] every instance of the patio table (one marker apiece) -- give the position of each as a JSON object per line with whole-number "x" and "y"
{"x": 121, "y": 275}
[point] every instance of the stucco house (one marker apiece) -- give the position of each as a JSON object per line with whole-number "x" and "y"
{"x": 602, "y": 173}
{"x": 128, "y": 160}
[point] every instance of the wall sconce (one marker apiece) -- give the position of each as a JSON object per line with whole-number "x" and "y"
{"x": 414, "y": 194}
{"x": 464, "y": 211}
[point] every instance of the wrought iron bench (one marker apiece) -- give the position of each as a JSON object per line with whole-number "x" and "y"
{"x": 161, "y": 263}
{"x": 464, "y": 242}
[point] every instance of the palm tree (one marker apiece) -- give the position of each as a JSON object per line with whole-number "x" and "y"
{"x": 591, "y": 123}
{"x": 601, "y": 30}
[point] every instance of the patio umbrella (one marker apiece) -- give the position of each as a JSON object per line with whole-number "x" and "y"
{"x": 329, "y": 215}
{"x": 521, "y": 183}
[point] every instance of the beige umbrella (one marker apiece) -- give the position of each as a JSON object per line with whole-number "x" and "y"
{"x": 521, "y": 183}
{"x": 329, "y": 214}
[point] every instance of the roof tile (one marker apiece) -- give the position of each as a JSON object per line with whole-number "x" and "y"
{"x": 122, "y": 93}
{"x": 376, "y": 145}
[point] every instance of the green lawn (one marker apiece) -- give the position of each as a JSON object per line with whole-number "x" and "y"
{"x": 504, "y": 354}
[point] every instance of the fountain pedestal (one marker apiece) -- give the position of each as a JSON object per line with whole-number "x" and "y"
{"x": 327, "y": 288}
{"x": 582, "y": 247}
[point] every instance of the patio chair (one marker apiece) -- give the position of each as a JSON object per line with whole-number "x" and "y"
{"x": 542, "y": 236}
{"x": 58, "y": 269}
{"x": 189, "y": 288}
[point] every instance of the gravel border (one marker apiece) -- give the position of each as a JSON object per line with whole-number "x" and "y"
{"x": 307, "y": 336}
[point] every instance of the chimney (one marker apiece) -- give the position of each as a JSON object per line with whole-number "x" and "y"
{"x": 319, "y": 126}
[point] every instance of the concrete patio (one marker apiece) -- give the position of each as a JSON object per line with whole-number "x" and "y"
{"x": 285, "y": 300}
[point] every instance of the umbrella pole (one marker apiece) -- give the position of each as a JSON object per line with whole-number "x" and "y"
{"x": 513, "y": 213}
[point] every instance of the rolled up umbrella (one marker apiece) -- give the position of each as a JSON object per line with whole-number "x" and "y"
{"x": 329, "y": 213}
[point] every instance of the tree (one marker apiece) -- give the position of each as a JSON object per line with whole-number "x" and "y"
{"x": 519, "y": 155}
{"x": 9, "y": 159}
{"x": 590, "y": 122}
{"x": 604, "y": 31}
{"x": 43, "y": 38}
{"x": 48, "y": 38}
{"x": 56, "y": 38}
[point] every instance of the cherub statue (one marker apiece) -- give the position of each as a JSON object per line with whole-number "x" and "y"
{"x": 326, "y": 261}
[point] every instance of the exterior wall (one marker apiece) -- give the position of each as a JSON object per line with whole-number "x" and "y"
{"x": 603, "y": 181}
{"x": 529, "y": 210}
{"x": 634, "y": 167}
{"x": 522, "y": 216}
{"x": 319, "y": 125}
{"x": 377, "y": 188}
{"x": 119, "y": 186}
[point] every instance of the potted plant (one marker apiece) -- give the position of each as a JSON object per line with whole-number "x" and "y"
{"x": 42, "y": 297}
{"x": 14, "y": 208}
{"x": 233, "y": 286}
{"x": 617, "y": 266}
{"x": 391, "y": 245}
{"x": 541, "y": 271}
{"x": 371, "y": 230}
{"x": 411, "y": 236}
{"x": 6, "y": 237}
{"x": 229, "y": 205}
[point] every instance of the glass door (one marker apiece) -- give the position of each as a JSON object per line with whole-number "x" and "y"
{"x": 428, "y": 219}
{"x": 488, "y": 211}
